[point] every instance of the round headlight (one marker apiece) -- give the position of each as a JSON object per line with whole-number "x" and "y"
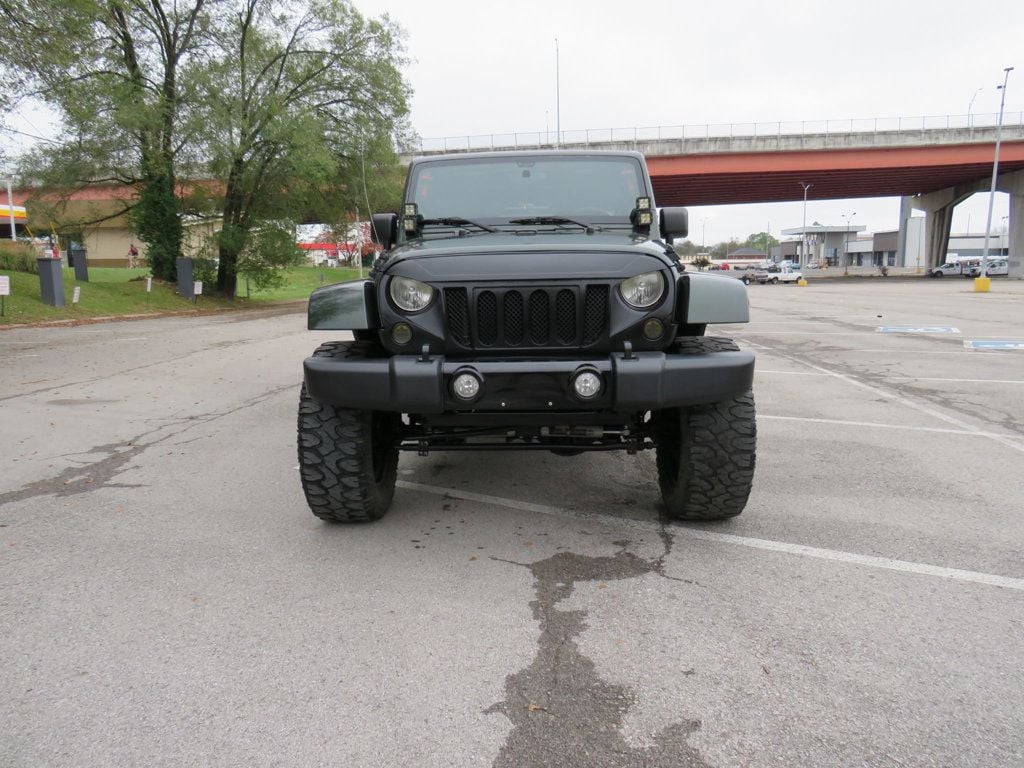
{"x": 410, "y": 295}
{"x": 466, "y": 386}
{"x": 587, "y": 385}
{"x": 644, "y": 290}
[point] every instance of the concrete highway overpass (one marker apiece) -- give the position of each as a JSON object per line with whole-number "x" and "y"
{"x": 930, "y": 163}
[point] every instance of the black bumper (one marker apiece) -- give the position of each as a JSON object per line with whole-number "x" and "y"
{"x": 644, "y": 381}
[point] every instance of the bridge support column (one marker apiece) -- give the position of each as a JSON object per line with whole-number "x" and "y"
{"x": 1013, "y": 183}
{"x": 906, "y": 209}
{"x": 938, "y": 207}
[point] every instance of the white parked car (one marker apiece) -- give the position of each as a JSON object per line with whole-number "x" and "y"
{"x": 784, "y": 275}
{"x": 949, "y": 268}
{"x": 994, "y": 267}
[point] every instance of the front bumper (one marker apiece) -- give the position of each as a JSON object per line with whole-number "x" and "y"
{"x": 644, "y": 381}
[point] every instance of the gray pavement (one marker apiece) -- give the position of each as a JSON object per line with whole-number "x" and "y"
{"x": 169, "y": 600}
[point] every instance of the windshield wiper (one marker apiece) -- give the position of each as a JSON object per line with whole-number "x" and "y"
{"x": 456, "y": 221}
{"x": 554, "y": 220}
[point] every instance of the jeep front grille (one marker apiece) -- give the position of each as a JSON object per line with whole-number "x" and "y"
{"x": 526, "y": 317}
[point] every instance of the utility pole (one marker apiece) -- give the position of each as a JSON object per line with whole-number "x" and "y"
{"x": 803, "y": 243}
{"x": 983, "y": 281}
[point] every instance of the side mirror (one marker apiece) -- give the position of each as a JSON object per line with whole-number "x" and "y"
{"x": 675, "y": 222}
{"x": 384, "y": 229}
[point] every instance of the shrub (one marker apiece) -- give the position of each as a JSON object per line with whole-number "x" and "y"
{"x": 18, "y": 257}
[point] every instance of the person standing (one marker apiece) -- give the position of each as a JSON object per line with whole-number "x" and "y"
{"x": 133, "y": 255}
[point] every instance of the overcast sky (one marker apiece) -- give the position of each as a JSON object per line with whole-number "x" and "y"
{"x": 482, "y": 68}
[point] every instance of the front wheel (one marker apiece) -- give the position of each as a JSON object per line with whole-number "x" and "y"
{"x": 937, "y": 274}
{"x": 706, "y": 456}
{"x": 348, "y": 460}
{"x": 775, "y": 281}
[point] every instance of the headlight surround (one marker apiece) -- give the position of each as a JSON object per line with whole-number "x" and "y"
{"x": 410, "y": 295}
{"x": 644, "y": 290}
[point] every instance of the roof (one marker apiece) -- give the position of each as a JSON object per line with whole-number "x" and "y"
{"x": 824, "y": 229}
{"x": 751, "y": 252}
{"x": 526, "y": 152}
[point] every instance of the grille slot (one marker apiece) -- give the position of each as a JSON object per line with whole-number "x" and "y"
{"x": 540, "y": 317}
{"x": 565, "y": 316}
{"x": 456, "y": 305}
{"x": 487, "y": 318}
{"x": 595, "y": 313}
{"x": 512, "y": 316}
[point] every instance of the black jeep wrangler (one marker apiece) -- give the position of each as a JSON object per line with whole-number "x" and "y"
{"x": 528, "y": 301}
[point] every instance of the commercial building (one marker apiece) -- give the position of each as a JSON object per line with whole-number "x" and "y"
{"x": 97, "y": 218}
{"x": 838, "y": 246}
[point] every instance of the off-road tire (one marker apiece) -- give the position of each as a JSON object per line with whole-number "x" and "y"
{"x": 706, "y": 453}
{"x": 348, "y": 459}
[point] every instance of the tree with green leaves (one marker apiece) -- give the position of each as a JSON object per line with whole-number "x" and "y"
{"x": 302, "y": 111}
{"x": 115, "y": 75}
{"x": 763, "y": 241}
{"x": 262, "y": 111}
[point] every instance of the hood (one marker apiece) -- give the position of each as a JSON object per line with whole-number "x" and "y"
{"x": 541, "y": 255}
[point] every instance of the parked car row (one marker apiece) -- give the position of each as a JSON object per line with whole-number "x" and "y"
{"x": 970, "y": 268}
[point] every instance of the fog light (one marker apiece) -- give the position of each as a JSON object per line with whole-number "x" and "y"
{"x": 653, "y": 329}
{"x": 401, "y": 333}
{"x": 466, "y": 386}
{"x": 587, "y": 385}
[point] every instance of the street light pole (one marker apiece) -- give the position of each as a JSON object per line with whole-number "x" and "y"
{"x": 803, "y": 243}
{"x": 982, "y": 282}
{"x": 558, "y": 99}
{"x": 970, "y": 124}
{"x": 703, "y": 233}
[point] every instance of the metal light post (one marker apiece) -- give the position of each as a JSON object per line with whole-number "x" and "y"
{"x": 558, "y": 99}
{"x": 983, "y": 281}
{"x": 10, "y": 209}
{"x": 846, "y": 250}
{"x": 703, "y": 233}
{"x": 803, "y": 244}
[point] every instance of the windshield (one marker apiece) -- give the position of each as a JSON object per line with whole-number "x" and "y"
{"x": 588, "y": 188}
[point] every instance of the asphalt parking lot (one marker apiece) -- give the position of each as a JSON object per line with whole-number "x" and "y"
{"x": 169, "y": 600}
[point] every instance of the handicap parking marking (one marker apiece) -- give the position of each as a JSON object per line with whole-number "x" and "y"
{"x": 994, "y": 343}
{"x": 917, "y": 329}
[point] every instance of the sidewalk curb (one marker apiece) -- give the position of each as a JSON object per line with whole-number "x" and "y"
{"x": 76, "y": 321}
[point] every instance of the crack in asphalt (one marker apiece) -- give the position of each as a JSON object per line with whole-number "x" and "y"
{"x": 99, "y": 473}
{"x": 562, "y": 712}
{"x": 144, "y": 366}
{"x": 86, "y": 477}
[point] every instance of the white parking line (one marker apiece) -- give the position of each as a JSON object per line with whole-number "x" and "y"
{"x": 835, "y": 555}
{"x": 880, "y": 425}
{"x": 901, "y": 400}
{"x": 790, "y": 373}
{"x": 899, "y": 378}
{"x": 962, "y": 381}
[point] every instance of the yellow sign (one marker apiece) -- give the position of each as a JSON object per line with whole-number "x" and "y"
{"x": 20, "y": 214}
